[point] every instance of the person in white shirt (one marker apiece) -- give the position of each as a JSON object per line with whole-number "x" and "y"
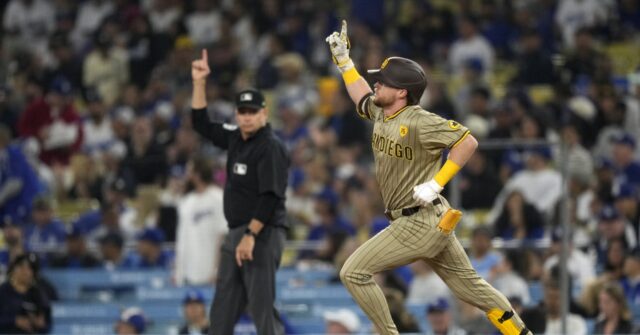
{"x": 30, "y": 22}
{"x": 204, "y": 23}
{"x": 470, "y": 45}
{"x": 509, "y": 282}
{"x": 580, "y": 266}
{"x": 426, "y": 286}
{"x": 90, "y": 16}
{"x": 97, "y": 130}
{"x": 201, "y": 227}
{"x": 552, "y": 296}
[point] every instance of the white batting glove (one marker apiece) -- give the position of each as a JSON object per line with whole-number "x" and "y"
{"x": 339, "y": 45}
{"x": 427, "y": 192}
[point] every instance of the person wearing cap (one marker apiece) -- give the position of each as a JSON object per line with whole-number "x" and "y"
{"x": 341, "y": 321}
{"x": 631, "y": 281}
{"x": 441, "y": 320}
{"x": 25, "y": 307}
{"x": 54, "y": 123}
{"x": 132, "y": 321}
{"x": 627, "y": 168}
{"x": 96, "y": 127}
{"x": 195, "y": 314}
{"x": 408, "y": 145}
{"x": 611, "y": 226}
{"x": 626, "y": 201}
{"x": 111, "y": 251}
{"x": 77, "y": 255}
{"x": 44, "y": 233}
{"x": 13, "y": 247}
{"x": 149, "y": 253}
{"x": 19, "y": 182}
{"x": 254, "y": 198}
{"x": 201, "y": 227}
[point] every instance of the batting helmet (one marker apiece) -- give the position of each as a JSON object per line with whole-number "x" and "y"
{"x": 402, "y": 73}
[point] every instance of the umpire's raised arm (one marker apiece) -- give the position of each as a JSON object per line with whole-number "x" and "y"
{"x": 215, "y": 132}
{"x": 339, "y": 45}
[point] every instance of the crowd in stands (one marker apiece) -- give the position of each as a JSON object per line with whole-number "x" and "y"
{"x": 100, "y": 166}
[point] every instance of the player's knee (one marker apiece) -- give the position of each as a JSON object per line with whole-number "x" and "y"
{"x": 350, "y": 275}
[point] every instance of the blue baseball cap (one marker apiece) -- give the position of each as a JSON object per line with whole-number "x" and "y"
{"x": 624, "y": 138}
{"x": 543, "y": 152}
{"x": 439, "y": 305}
{"x": 153, "y": 235}
{"x": 135, "y": 317}
{"x": 193, "y": 295}
{"x": 60, "y": 85}
{"x": 608, "y": 213}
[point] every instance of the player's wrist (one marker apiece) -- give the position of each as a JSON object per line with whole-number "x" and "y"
{"x": 350, "y": 76}
{"x": 199, "y": 82}
{"x": 345, "y": 65}
{"x": 446, "y": 173}
{"x": 434, "y": 185}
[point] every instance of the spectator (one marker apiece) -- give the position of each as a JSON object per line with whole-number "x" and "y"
{"x": 611, "y": 226}
{"x": 478, "y": 183}
{"x": 326, "y": 208}
{"x": 204, "y": 23}
{"x": 508, "y": 281}
{"x": 106, "y": 68}
{"x": 44, "y": 234}
{"x": 572, "y": 16}
{"x": 90, "y": 16}
{"x": 470, "y": 44}
{"x": 112, "y": 252}
{"x": 25, "y": 308}
{"x": 482, "y": 258}
{"x": 404, "y": 321}
{"x": 13, "y": 247}
{"x": 341, "y": 321}
{"x": 201, "y": 227}
{"x": 441, "y": 320}
{"x": 539, "y": 184}
{"x": 53, "y": 121}
{"x": 519, "y": 220}
{"x": 145, "y": 158}
{"x": 30, "y": 22}
{"x": 613, "y": 268}
{"x": 626, "y": 202}
{"x": 163, "y": 15}
{"x": 534, "y": 65}
{"x": 552, "y": 298}
{"x": 614, "y": 315}
{"x": 581, "y": 59}
{"x": 195, "y": 314}
{"x": 149, "y": 253}
{"x": 580, "y": 266}
{"x": 76, "y": 256}
{"x": 18, "y": 182}
{"x": 631, "y": 280}
{"x": 132, "y": 321}
{"x": 426, "y": 286}
{"x": 627, "y": 168}
{"x": 97, "y": 127}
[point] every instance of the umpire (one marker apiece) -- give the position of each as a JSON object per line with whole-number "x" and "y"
{"x": 254, "y": 198}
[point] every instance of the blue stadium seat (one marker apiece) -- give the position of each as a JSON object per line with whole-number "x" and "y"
{"x": 169, "y": 293}
{"x": 332, "y": 293}
{"x": 293, "y": 277}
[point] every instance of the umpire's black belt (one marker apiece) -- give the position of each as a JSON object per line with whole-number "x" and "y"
{"x": 396, "y": 213}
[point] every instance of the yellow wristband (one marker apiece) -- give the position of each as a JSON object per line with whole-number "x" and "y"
{"x": 350, "y": 76}
{"x": 449, "y": 169}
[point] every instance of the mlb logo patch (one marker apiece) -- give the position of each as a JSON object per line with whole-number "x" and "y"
{"x": 246, "y": 97}
{"x": 240, "y": 169}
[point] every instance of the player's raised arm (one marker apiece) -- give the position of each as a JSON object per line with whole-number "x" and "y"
{"x": 339, "y": 46}
{"x": 199, "y": 73}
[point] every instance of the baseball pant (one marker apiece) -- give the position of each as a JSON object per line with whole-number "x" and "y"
{"x": 408, "y": 239}
{"x": 251, "y": 287}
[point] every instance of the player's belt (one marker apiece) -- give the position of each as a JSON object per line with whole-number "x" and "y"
{"x": 396, "y": 213}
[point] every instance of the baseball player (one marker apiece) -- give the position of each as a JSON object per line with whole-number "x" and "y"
{"x": 407, "y": 144}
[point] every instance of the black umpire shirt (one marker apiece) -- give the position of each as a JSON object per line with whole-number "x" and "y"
{"x": 257, "y": 171}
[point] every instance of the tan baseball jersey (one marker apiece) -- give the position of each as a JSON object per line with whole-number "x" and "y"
{"x": 408, "y": 148}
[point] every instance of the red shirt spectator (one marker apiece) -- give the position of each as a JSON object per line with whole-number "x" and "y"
{"x": 54, "y": 123}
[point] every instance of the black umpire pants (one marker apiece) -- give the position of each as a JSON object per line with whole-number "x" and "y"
{"x": 251, "y": 287}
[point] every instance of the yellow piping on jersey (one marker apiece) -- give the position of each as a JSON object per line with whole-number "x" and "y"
{"x": 396, "y": 113}
{"x": 466, "y": 133}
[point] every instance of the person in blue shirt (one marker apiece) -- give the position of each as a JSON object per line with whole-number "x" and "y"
{"x": 631, "y": 280}
{"x": 19, "y": 183}
{"x": 44, "y": 234}
{"x": 483, "y": 259}
{"x": 627, "y": 170}
{"x": 149, "y": 253}
{"x": 111, "y": 251}
{"x": 76, "y": 256}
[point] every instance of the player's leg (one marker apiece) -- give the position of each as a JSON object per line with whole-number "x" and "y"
{"x": 230, "y": 299}
{"x": 404, "y": 241}
{"x": 454, "y": 267}
{"x": 259, "y": 277}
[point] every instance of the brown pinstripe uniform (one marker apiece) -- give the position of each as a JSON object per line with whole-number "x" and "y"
{"x": 408, "y": 150}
